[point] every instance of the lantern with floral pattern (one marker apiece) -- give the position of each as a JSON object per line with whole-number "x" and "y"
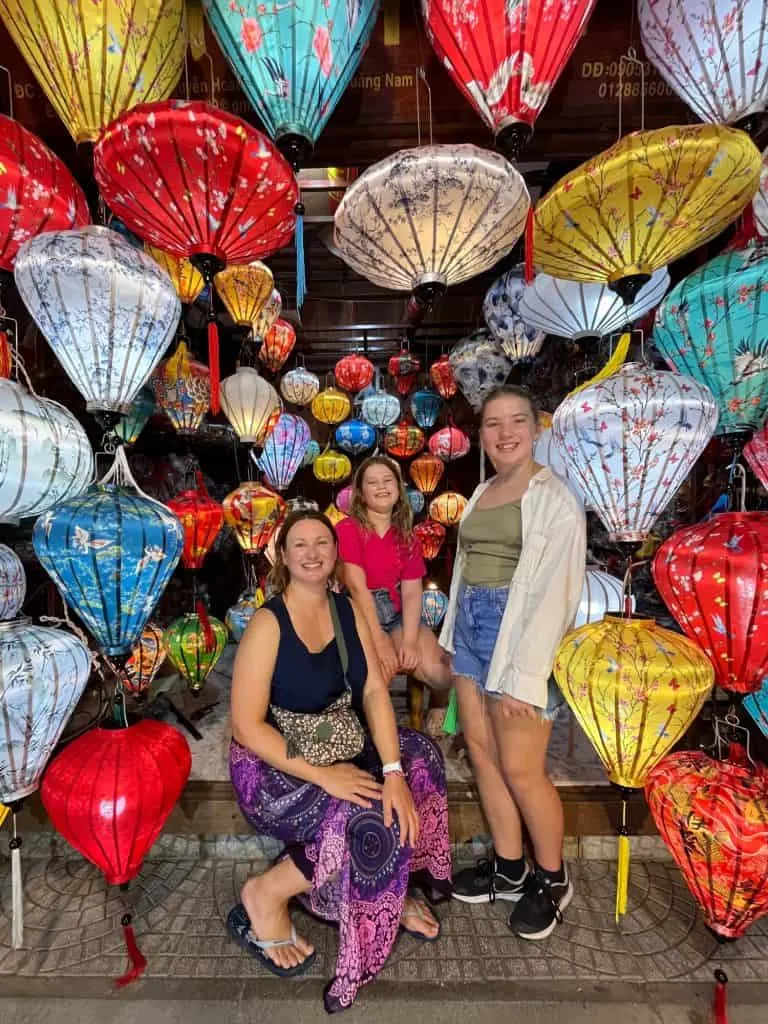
{"x": 131, "y": 424}
{"x": 380, "y": 409}
{"x": 284, "y": 451}
{"x": 147, "y": 656}
{"x": 404, "y": 367}
{"x": 449, "y": 443}
{"x": 299, "y": 386}
{"x": 253, "y": 512}
{"x": 277, "y": 345}
{"x": 13, "y": 583}
{"x": 519, "y": 340}
{"x": 355, "y": 436}
{"x": 442, "y": 376}
{"x": 182, "y": 388}
{"x": 431, "y": 536}
{"x": 434, "y": 604}
{"x": 354, "y": 372}
{"x": 194, "y": 644}
{"x": 480, "y": 365}
{"x": 404, "y": 440}
{"x": 186, "y": 278}
{"x": 245, "y": 289}
{"x": 202, "y": 519}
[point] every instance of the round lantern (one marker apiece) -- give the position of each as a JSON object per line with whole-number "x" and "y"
{"x": 106, "y": 309}
{"x": 46, "y": 458}
{"x": 241, "y": 613}
{"x": 630, "y": 441}
{"x": 313, "y": 450}
{"x": 501, "y": 308}
{"x": 182, "y": 388}
{"x": 426, "y": 472}
{"x": 380, "y": 409}
{"x": 194, "y": 644}
{"x": 332, "y": 467}
{"x": 331, "y": 406}
{"x": 147, "y": 656}
{"x": 404, "y": 440}
{"x": 416, "y": 500}
{"x": 449, "y": 443}
{"x": 277, "y": 345}
{"x": 301, "y": 504}
{"x": 202, "y": 520}
{"x": 245, "y": 289}
{"x": 425, "y": 408}
{"x": 299, "y": 386}
{"x": 756, "y": 454}
{"x": 251, "y": 404}
{"x": 404, "y": 367}
{"x": 442, "y": 376}
{"x": 13, "y": 583}
{"x": 334, "y": 514}
{"x": 601, "y": 594}
{"x": 129, "y": 426}
{"x": 355, "y": 437}
{"x": 434, "y": 604}
{"x": 354, "y": 372}
{"x": 110, "y": 552}
{"x": 479, "y": 365}
{"x": 713, "y": 577}
{"x": 284, "y": 451}
{"x": 431, "y": 536}
{"x": 186, "y": 278}
{"x": 447, "y": 508}
{"x": 344, "y": 499}
{"x": 253, "y": 512}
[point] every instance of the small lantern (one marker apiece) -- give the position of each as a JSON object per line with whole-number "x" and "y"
{"x": 434, "y": 604}
{"x": 268, "y": 316}
{"x": 425, "y": 408}
{"x": 299, "y": 386}
{"x": 331, "y": 406}
{"x": 426, "y": 472}
{"x": 182, "y": 388}
{"x": 13, "y": 583}
{"x": 416, "y": 500}
{"x": 194, "y": 643}
{"x": 284, "y": 450}
{"x": 253, "y": 512}
{"x": 202, "y": 519}
{"x": 344, "y": 499}
{"x": 277, "y": 345}
{"x": 447, "y": 508}
{"x": 312, "y": 452}
{"x": 147, "y": 656}
{"x": 245, "y": 289}
{"x": 355, "y": 437}
{"x": 354, "y": 372}
{"x": 334, "y": 514}
{"x": 131, "y": 424}
{"x": 186, "y": 278}
{"x": 380, "y": 409}
{"x": 431, "y": 536}
{"x": 404, "y": 440}
{"x": 241, "y": 613}
{"x": 251, "y": 404}
{"x": 332, "y": 467}
{"x": 404, "y": 367}
{"x": 442, "y": 376}
{"x": 449, "y": 443}
{"x": 480, "y": 365}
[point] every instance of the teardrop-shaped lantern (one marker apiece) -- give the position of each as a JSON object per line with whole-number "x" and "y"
{"x": 186, "y": 278}
{"x": 331, "y": 406}
{"x": 130, "y": 425}
{"x": 519, "y": 340}
{"x": 404, "y": 367}
{"x": 380, "y": 409}
{"x": 425, "y": 408}
{"x": 268, "y": 316}
{"x": 245, "y": 289}
{"x": 241, "y": 612}
{"x": 13, "y": 583}
{"x": 194, "y": 644}
{"x": 253, "y": 512}
{"x": 202, "y": 519}
{"x": 95, "y": 60}
{"x": 426, "y": 472}
{"x": 332, "y": 467}
{"x": 442, "y": 377}
{"x": 449, "y": 443}
{"x": 147, "y": 656}
{"x": 110, "y": 552}
{"x": 182, "y": 388}
{"x": 37, "y": 191}
{"x": 602, "y": 594}
{"x": 431, "y": 536}
{"x": 355, "y": 437}
{"x": 45, "y": 455}
{"x": 480, "y": 365}
{"x": 631, "y": 440}
{"x": 284, "y": 451}
{"x": 251, "y": 404}
{"x": 447, "y": 508}
{"x": 354, "y": 372}
{"x": 671, "y": 190}
{"x": 106, "y": 309}
{"x": 434, "y": 604}
{"x": 756, "y": 454}
{"x": 299, "y": 386}
{"x": 277, "y": 345}
{"x": 404, "y": 440}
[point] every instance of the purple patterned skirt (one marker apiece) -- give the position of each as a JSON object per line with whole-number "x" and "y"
{"x": 359, "y": 872}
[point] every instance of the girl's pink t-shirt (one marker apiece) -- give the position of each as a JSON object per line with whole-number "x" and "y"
{"x": 385, "y": 560}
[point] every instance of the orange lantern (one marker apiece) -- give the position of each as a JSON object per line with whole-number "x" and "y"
{"x": 245, "y": 289}
{"x": 147, "y": 656}
{"x": 331, "y": 406}
{"x": 449, "y": 443}
{"x": 431, "y": 536}
{"x": 353, "y": 373}
{"x": 442, "y": 376}
{"x": 404, "y": 440}
{"x": 270, "y": 311}
{"x": 187, "y": 280}
{"x": 202, "y": 519}
{"x": 182, "y": 389}
{"x": 404, "y": 367}
{"x": 277, "y": 345}
{"x": 426, "y": 472}
{"x": 447, "y": 508}
{"x": 5, "y": 355}
{"x": 254, "y": 513}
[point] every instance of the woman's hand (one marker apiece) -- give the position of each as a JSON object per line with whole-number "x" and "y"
{"x": 388, "y": 656}
{"x": 346, "y": 782}
{"x": 513, "y": 708}
{"x": 409, "y": 656}
{"x": 396, "y": 797}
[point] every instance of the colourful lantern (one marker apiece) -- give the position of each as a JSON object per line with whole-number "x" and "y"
{"x": 404, "y": 440}
{"x": 105, "y": 308}
{"x": 91, "y": 61}
{"x": 760, "y": 200}
{"x": 671, "y": 190}
{"x": 331, "y": 406}
{"x": 380, "y": 409}
{"x": 447, "y": 508}
{"x": 713, "y": 817}
{"x": 501, "y": 308}
{"x": 147, "y": 656}
{"x": 253, "y": 512}
{"x": 47, "y": 457}
{"x": 312, "y": 452}
{"x": 431, "y": 536}
{"x": 480, "y": 365}
{"x": 202, "y": 519}
{"x": 38, "y": 193}
{"x": 630, "y": 441}
{"x": 756, "y": 454}
{"x": 449, "y": 443}
{"x": 355, "y": 437}
{"x": 277, "y": 345}
{"x": 505, "y": 58}
{"x": 245, "y": 289}
{"x": 547, "y": 453}
{"x": 425, "y": 408}
{"x": 404, "y": 367}
{"x": 268, "y": 316}
{"x": 284, "y": 451}
{"x": 4, "y": 812}
{"x": 713, "y": 326}
{"x": 301, "y": 504}
{"x": 441, "y": 375}
{"x": 182, "y": 388}
{"x": 194, "y": 644}
{"x": 713, "y": 577}
{"x": 110, "y": 552}
{"x": 186, "y": 278}
{"x": 241, "y": 613}
{"x": 434, "y": 604}
{"x": 344, "y": 500}
{"x": 354, "y": 372}
{"x": 299, "y": 386}
{"x": 332, "y": 467}
{"x": 575, "y": 309}
{"x": 426, "y": 472}
{"x": 601, "y": 594}
{"x": 757, "y": 706}
{"x": 334, "y": 514}
{"x": 416, "y": 500}
{"x": 251, "y": 405}
{"x": 129, "y": 426}
{"x": 13, "y": 583}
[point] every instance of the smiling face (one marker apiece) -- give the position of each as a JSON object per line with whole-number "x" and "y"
{"x": 508, "y": 432}
{"x": 310, "y": 552}
{"x": 380, "y": 488}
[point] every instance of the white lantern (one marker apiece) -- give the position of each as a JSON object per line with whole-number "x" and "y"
{"x": 760, "y": 202}
{"x": 601, "y": 595}
{"x": 579, "y": 309}
{"x": 380, "y": 409}
{"x": 106, "y": 308}
{"x": 479, "y": 365}
{"x": 299, "y": 386}
{"x": 13, "y": 583}
{"x": 249, "y": 402}
{"x": 45, "y": 455}
{"x": 546, "y": 453}
{"x": 501, "y": 309}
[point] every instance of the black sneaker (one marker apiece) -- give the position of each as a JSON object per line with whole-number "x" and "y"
{"x": 481, "y": 884}
{"x": 542, "y": 906}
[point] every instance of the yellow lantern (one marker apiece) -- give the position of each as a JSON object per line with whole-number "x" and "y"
{"x": 96, "y": 60}
{"x": 447, "y": 508}
{"x": 187, "y": 280}
{"x": 4, "y": 812}
{"x": 332, "y": 467}
{"x": 643, "y": 203}
{"x": 245, "y": 290}
{"x": 331, "y": 406}
{"x": 335, "y": 514}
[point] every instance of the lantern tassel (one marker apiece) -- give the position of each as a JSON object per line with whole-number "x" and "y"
{"x": 301, "y": 269}
{"x": 137, "y": 958}
{"x": 17, "y": 890}
{"x": 622, "y": 878}
{"x": 720, "y": 1002}
{"x": 213, "y": 362}
{"x": 205, "y": 622}
{"x": 530, "y": 227}
{"x": 612, "y": 366}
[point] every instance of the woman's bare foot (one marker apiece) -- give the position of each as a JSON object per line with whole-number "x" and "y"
{"x": 270, "y": 920}
{"x": 417, "y": 917}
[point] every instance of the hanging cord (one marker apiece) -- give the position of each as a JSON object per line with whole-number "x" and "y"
{"x": 9, "y": 76}
{"x": 627, "y": 597}
{"x": 421, "y": 75}
{"x": 630, "y": 57}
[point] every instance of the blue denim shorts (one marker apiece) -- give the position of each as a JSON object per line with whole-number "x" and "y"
{"x": 478, "y": 621}
{"x": 389, "y": 617}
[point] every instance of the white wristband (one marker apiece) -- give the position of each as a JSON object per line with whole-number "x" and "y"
{"x": 393, "y": 768}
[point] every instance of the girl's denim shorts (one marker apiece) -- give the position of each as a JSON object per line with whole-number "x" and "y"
{"x": 478, "y": 621}
{"x": 389, "y": 617}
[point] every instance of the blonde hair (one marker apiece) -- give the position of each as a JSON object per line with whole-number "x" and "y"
{"x": 402, "y": 513}
{"x": 279, "y": 577}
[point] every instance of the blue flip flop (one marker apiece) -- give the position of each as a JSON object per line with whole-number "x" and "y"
{"x": 239, "y": 927}
{"x": 420, "y": 936}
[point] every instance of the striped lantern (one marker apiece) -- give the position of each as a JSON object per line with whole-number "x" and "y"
{"x": 13, "y": 583}
{"x": 253, "y": 512}
{"x": 447, "y": 508}
{"x": 601, "y": 594}
{"x": 404, "y": 440}
{"x": 434, "y": 604}
{"x": 194, "y": 644}
{"x": 425, "y": 407}
{"x": 251, "y": 405}
{"x": 182, "y": 389}
{"x": 331, "y": 406}
{"x": 245, "y": 289}
{"x": 354, "y": 372}
{"x": 186, "y": 278}
{"x": 284, "y": 451}
{"x": 449, "y": 443}
{"x": 442, "y": 376}
{"x": 380, "y": 409}
{"x": 431, "y": 536}
{"x": 147, "y": 656}
{"x": 332, "y": 467}
{"x": 277, "y": 345}
{"x": 201, "y": 518}
{"x": 355, "y": 436}
{"x": 299, "y": 386}
{"x": 404, "y": 367}
{"x": 426, "y": 472}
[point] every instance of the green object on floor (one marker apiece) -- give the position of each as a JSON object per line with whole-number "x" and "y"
{"x": 451, "y": 722}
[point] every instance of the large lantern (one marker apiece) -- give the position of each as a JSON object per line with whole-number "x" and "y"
{"x": 277, "y": 345}
{"x": 404, "y": 367}
{"x": 601, "y": 594}
{"x": 251, "y": 404}
{"x": 449, "y": 443}
{"x": 355, "y": 437}
{"x": 194, "y": 644}
{"x": 332, "y": 467}
{"x": 425, "y": 408}
{"x": 46, "y": 457}
{"x": 241, "y": 613}
{"x": 106, "y": 309}
{"x": 547, "y": 453}
{"x": 631, "y": 440}
{"x": 147, "y": 656}
{"x": 713, "y": 577}
{"x": 253, "y": 512}
{"x": 426, "y": 472}
{"x": 13, "y": 583}
{"x": 404, "y": 440}
{"x": 299, "y": 386}
{"x": 434, "y": 604}
{"x": 519, "y": 340}
{"x": 671, "y": 190}
{"x": 38, "y": 193}
{"x": 182, "y": 388}
{"x": 480, "y": 365}
{"x": 284, "y": 451}
{"x": 431, "y": 536}
{"x": 354, "y": 372}
{"x": 380, "y": 409}
{"x": 442, "y": 377}
{"x": 202, "y": 519}
{"x": 245, "y": 289}
{"x": 713, "y": 326}
{"x": 186, "y": 278}
{"x": 447, "y": 508}
{"x": 110, "y": 552}
{"x": 331, "y": 406}
{"x": 131, "y": 424}
{"x": 506, "y": 57}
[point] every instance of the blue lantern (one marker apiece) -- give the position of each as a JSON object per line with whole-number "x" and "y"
{"x": 110, "y": 552}
{"x": 381, "y": 409}
{"x": 129, "y": 426}
{"x": 757, "y": 706}
{"x": 416, "y": 499}
{"x": 355, "y": 437}
{"x": 284, "y": 450}
{"x": 501, "y": 309}
{"x": 313, "y": 450}
{"x": 425, "y": 407}
{"x": 713, "y": 326}
{"x": 433, "y": 606}
{"x": 241, "y": 613}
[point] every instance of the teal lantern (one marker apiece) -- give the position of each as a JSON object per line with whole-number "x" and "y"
{"x": 433, "y": 606}
{"x": 355, "y": 437}
{"x": 713, "y": 326}
{"x": 313, "y": 450}
{"x": 129, "y": 426}
{"x": 425, "y": 408}
{"x": 284, "y": 450}
{"x": 416, "y": 500}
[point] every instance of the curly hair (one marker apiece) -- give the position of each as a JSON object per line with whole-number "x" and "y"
{"x": 402, "y": 513}
{"x": 279, "y": 577}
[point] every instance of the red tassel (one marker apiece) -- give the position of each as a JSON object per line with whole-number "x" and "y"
{"x": 201, "y": 488}
{"x": 720, "y": 1004}
{"x": 530, "y": 226}
{"x": 213, "y": 362}
{"x": 137, "y": 958}
{"x": 205, "y": 622}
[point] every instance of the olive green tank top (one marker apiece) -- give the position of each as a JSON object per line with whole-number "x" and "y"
{"x": 492, "y": 539}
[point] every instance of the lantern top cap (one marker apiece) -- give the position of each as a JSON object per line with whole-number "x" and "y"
{"x": 629, "y": 620}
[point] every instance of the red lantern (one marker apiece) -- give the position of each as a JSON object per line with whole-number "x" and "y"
{"x": 6, "y": 360}
{"x": 404, "y": 440}
{"x": 353, "y": 373}
{"x": 713, "y": 577}
{"x": 277, "y": 345}
{"x": 202, "y": 519}
{"x": 426, "y": 472}
{"x": 442, "y": 377}
{"x": 431, "y": 536}
{"x": 756, "y": 454}
{"x": 449, "y": 443}
{"x": 404, "y": 367}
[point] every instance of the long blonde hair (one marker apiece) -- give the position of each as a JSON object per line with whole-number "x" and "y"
{"x": 279, "y": 577}
{"x": 402, "y": 513}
